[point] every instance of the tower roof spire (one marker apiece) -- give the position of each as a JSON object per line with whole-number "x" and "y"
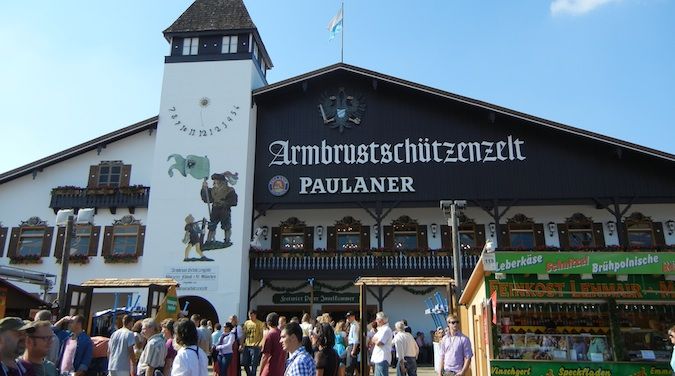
{"x": 212, "y": 15}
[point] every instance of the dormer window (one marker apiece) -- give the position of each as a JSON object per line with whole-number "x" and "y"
{"x": 229, "y": 44}
{"x": 255, "y": 52}
{"x": 190, "y": 46}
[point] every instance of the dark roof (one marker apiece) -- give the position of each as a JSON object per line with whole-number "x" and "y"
{"x": 208, "y": 16}
{"x": 465, "y": 100}
{"x": 212, "y": 15}
{"x": 99, "y": 142}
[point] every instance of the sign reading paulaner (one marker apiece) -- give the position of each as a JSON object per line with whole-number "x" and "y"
{"x": 204, "y": 278}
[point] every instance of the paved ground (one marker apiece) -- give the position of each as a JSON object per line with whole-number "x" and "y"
{"x": 421, "y": 371}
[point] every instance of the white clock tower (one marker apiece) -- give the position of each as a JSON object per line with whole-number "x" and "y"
{"x": 201, "y": 203}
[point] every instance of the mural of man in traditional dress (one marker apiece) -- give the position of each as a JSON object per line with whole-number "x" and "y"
{"x": 223, "y": 197}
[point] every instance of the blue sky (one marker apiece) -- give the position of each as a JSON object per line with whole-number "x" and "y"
{"x": 74, "y": 70}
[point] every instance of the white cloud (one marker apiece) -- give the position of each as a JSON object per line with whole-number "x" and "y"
{"x": 577, "y": 7}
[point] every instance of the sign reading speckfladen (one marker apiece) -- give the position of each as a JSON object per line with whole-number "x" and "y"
{"x": 542, "y": 368}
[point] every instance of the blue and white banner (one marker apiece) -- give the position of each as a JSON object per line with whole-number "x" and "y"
{"x": 335, "y": 25}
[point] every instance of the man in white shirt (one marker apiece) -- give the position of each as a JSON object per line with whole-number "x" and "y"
{"x": 406, "y": 351}
{"x": 353, "y": 347}
{"x": 381, "y": 341}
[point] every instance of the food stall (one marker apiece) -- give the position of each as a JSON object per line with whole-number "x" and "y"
{"x": 571, "y": 313}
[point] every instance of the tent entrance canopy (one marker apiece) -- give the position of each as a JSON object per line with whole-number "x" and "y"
{"x": 364, "y": 282}
{"x": 78, "y": 297}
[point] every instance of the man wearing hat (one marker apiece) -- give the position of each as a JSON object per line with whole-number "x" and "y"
{"x": 13, "y": 338}
{"x": 223, "y": 197}
{"x": 352, "y": 344}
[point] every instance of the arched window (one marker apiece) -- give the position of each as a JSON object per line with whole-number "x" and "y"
{"x": 292, "y": 235}
{"x": 348, "y": 234}
{"x": 32, "y": 239}
{"x": 405, "y": 234}
{"x": 520, "y": 231}
{"x": 471, "y": 235}
{"x": 641, "y": 231}
{"x": 579, "y": 231}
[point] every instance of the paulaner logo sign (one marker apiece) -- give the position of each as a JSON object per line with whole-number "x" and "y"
{"x": 423, "y": 151}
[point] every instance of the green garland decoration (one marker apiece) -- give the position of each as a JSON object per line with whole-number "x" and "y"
{"x": 336, "y": 288}
{"x": 318, "y": 285}
{"x": 426, "y": 291}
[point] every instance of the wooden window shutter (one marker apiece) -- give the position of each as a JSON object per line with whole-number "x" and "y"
{"x": 504, "y": 236}
{"x": 365, "y": 237}
{"x": 331, "y": 238}
{"x": 388, "y": 237}
{"x": 93, "y": 177}
{"x": 276, "y": 239}
{"x": 3, "y": 238}
{"x": 539, "y": 235}
{"x": 93, "y": 240}
{"x": 60, "y": 240}
{"x": 308, "y": 240}
{"x": 14, "y": 241}
{"x": 140, "y": 241}
{"x": 125, "y": 176}
{"x": 47, "y": 241}
{"x": 107, "y": 240}
{"x": 624, "y": 234}
{"x": 422, "y": 240}
{"x": 659, "y": 237}
{"x": 598, "y": 235}
{"x": 446, "y": 237}
{"x": 563, "y": 236}
{"x": 480, "y": 236}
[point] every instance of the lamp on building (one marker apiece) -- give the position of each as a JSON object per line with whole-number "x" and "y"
{"x": 611, "y": 227}
{"x": 319, "y": 231}
{"x": 434, "y": 230}
{"x": 670, "y": 225}
{"x": 66, "y": 217}
{"x": 265, "y": 231}
{"x": 551, "y": 228}
{"x": 492, "y": 227}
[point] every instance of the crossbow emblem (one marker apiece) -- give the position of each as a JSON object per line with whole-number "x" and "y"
{"x": 342, "y": 111}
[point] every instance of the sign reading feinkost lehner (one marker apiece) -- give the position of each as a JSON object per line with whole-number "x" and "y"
{"x": 581, "y": 262}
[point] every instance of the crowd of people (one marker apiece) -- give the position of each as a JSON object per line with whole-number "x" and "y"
{"x": 278, "y": 346}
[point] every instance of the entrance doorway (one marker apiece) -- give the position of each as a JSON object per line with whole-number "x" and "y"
{"x": 289, "y": 311}
{"x": 338, "y": 311}
{"x": 200, "y": 306}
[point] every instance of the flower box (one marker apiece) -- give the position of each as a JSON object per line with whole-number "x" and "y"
{"x": 120, "y": 259}
{"x": 31, "y": 259}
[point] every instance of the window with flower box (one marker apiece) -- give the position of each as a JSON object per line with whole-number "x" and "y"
{"x": 31, "y": 240}
{"x": 471, "y": 235}
{"x": 405, "y": 234}
{"x": 520, "y": 231}
{"x": 109, "y": 174}
{"x": 580, "y": 231}
{"x": 84, "y": 243}
{"x": 348, "y": 234}
{"x": 124, "y": 239}
{"x": 292, "y": 235}
{"x": 641, "y": 232}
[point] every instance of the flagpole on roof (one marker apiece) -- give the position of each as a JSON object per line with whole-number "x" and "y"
{"x": 342, "y": 36}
